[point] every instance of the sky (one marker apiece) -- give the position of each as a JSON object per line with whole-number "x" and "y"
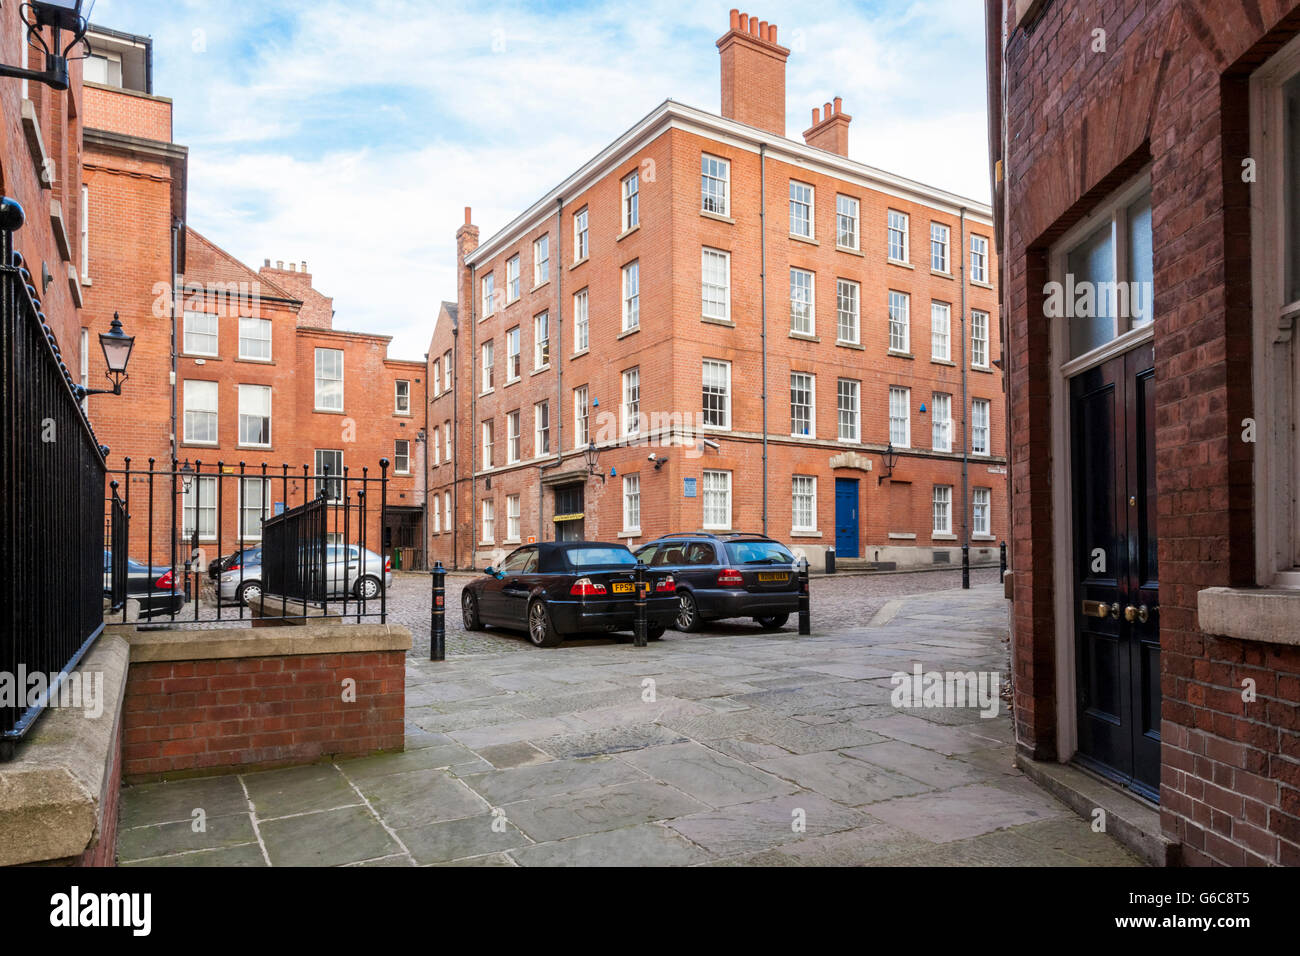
{"x": 353, "y": 134}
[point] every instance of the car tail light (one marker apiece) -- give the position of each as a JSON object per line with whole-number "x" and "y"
{"x": 666, "y": 583}
{"x": 235, "y": 567}
{"x": 164, "y": 583}
{"x": 730, "y": 578}
{"x": 584, "y": 587}
{"x": 388, "y": 564}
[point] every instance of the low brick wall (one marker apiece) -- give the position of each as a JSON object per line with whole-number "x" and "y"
{"x": 214, "y": 701}
{"x": 103, "y": 852}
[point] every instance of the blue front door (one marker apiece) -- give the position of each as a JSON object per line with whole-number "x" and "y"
{"x": 846, "y": 517}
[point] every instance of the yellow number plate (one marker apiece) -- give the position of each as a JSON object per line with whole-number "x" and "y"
{"x": 770, "y": 576}
{"x": 623, "y": 589}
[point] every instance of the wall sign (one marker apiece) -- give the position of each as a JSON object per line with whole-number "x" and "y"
{"x": 688, "y": 487}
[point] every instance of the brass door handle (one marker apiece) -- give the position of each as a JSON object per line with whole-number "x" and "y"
{"x": 1141, "y": 613}
{"x": 1100, "y": 609}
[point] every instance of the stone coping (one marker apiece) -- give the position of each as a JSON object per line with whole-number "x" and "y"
{"x": 240, "y": 642}
{"x": 1268, "y": 615}
{"x": 52, "y": 792}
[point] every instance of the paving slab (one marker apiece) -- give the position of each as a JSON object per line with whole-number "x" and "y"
{"x": 137, "y": 843}
{"x": 750, "y": 827}
{"x": 643, "y": 845}
{"x": 969, "y": 811}
{"x": 280, "y": 793}
{"x": 473, "y": 836}
{"x": 708, "y": 776}
{"x": 555, "y": 778}
{"x": 420, "y": 796}
{"x": 608, "y": 808}
{"x": 177, "y": 800}
{"x": 853, "y": 783}
{"x": 327, "y": 838}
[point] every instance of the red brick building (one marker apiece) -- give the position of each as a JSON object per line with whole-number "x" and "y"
{"x": 627, "y": 310}
{"x": 1144, "y": 157}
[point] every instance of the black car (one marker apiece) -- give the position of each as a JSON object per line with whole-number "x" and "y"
{"x": 156, "y": 588}
{"x": 561, "y": 588}
{"x": 249, "y": 556}
{"x": 727, "y": 575}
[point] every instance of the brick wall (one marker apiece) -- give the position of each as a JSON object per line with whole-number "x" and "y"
{"x": 104, "y": 850}
{"x": 217, "y": 715}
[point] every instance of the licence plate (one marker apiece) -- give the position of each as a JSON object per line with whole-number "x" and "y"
{"x": 622, "y": 588}
{"x": 772, "y": 576}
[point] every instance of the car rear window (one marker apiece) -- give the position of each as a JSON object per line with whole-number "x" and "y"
{"x": 760, "y": 552}
{"x": 597, "y": 557}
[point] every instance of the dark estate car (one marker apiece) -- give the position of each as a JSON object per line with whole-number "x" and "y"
{"x": 156, "y": 588}
{"x": 560, "y": 588}
{"x": 727, "y": 575}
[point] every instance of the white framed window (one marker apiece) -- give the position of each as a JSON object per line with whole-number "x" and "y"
{"x": 979, "y": 258}
{"x": 580, "y": 234}
{"x": 942, "y": 507}
{"x": 488, "y": 294}
{"x": 803, "y": 422}
{"x": 541, "y": 341}
{"x": 85, "y": 234}
{"x": 435, "y": 516}
{"x": 446, "y": 508}
{"x": 541, "y": 259}
{"x": 200, "y": 402}
{"x": 979, "y": 339}
{"x": 941, "y": 421}
{"x": 542, "y": 428}
{"x": 581, "y": 418}
{"x": 979, "y": 513}
{"x": 512, "y": 279}
{"x": 402, "y": 456}
{"x": 437, "y": 445}
{"x": 512, "y": 517}
{"x": 512, "y": 437}
{"x": 848, "y": 326}
{"x": 846, "y": 222}
{"x": 329, "y": 380}
{"x": 717, "y": 499}
{"x": 979, "y": 434}
{"x": 85, "y": 366}
{"x": 255, "y": 415}
{"x": 631, "y": 504}
{"x": 900, "y": 322}
{"x": 631, "y": 201}
{"x": 255, "y": 339}
{"x": 199, "y": 508}
{"x": 631, "y": 408}
{"x": 254, "y": 504}
{"x": 446, "y": 371}
{"x": 717, "y": 394}
{"x": 939, "y": 236}
{"x": 900, "y": 416}
{"x": 941, "y": 331}
{"x": 446, "y": 441}
{"x": 200, "y": 333}
{"x": 715, "y": 295}
{"x": 402, "y": 397}
{"x": 803, "y": 504}
{"x": 488, "y": 436}
{"x": 489, "y": 520}
{"x": 489, "y": 365}
{"x": 898, "y": 229}
{"x": 329, "y": 472}
{"x": 802, "y": 301}
{"x": 801, "y": 209}
{"x": 581, "y": 326}
{"x": 513, "y": 358}
{"x": 715, "y": 185}
{"x": 848, "y": 400}
{"x": 632, "y": 296}
{"x": 436, "y": 378}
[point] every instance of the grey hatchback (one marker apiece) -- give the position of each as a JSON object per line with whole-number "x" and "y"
{"x": 727, "y": 575}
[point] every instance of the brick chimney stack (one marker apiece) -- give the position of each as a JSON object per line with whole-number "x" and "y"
{"x": 830, "y": 129}
{"x": 753, "y": 73}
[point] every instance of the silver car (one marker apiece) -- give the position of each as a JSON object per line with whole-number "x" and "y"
{"x": 349, "y": 570}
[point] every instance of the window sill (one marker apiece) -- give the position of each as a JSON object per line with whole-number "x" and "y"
{"x": 241, "y": 446}
{"x": 935, "y": 361}
{"x": 35, "y": 144}
{"x": 805, "y": 534}
{"x": 329, "y": 411}
{"x": 840, "y": 343}
{"x": 1263, "y": 615}
{"x": 804, "y": 337}
{"x": 982, "y": 368}
{"x": 201, "y": 357}
{"x": 982, "y": 285}
{"x": 578, "y": 262}
{"x": 85, "y": 280}
{"x": 186, "y": 443}
{"x": 718, "y": 216}
{"x": 902, "y": 536}
{"x": 941, "y": 275}
{"x": 983, "y": 537}
{"x": 808, "y": 239}
{"x": 902, "y": 355}
{"x": 712, "y": 321}
{"x": 253, "y": 361}
{"x": 539, "y": 371}
{"x": 632, "y": 331}
{"x": 401, "y": 414}
{"x": 541, "y": 285}
{"x": 935, "y": 536}
{"x": 850, "y": 250}
{"x": 510, "y": 381}
{"x": 627, "y": 232}
{"x": 900, "y": 263}
{"x": 717, "y": 529}
{"x": 635, "y": 533}
{"x": 511, "y": 541}
{"x": 486, "y": 391}
{"x": 579, "y": 353}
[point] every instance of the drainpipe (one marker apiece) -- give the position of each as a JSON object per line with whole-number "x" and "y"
{"x": 177, "y": 225}
{"x": 428, "y": 536}
{"x": 558, "y": 353}
{"x": 473, "y": 408}
{"x": 762, "y": 278}
{"x": 965, "y": 401}
{"x": 455, "y": 430}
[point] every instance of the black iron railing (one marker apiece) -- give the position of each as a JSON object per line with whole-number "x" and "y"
{"x": 218, "y": 537}
{"x": 51, "y": 510}
{"x": 115, "y": 551}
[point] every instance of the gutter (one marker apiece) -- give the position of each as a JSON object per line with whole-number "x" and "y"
{"x": 965, "y": 401}
{"x": 558, "y": 347}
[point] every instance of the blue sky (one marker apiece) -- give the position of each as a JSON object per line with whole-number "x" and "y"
{"x": 352, "y": 134}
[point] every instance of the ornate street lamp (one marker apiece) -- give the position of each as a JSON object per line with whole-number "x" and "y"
{"x": 888, "y": 458}
{"x": 591, "y": 455}
{"x": 59, "y": 16}
{"x": 117, "y": 347}
{"x": 187, "y": 477}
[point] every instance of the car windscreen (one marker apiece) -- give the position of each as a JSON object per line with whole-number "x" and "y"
{"x": 599, "y": 557}
{"x": 760, "y": 552}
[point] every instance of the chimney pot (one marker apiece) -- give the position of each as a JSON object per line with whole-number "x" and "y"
{"x": 839, "y": 104}
{"x": 467, "y": 216}
{"x": 744, "y": 23}
{"x": 762, "y": 29}
{"x": 266, "y": 264}
{"x": 827, "y": 111}
{"x": 771, "y": 33}
{"x": 817, "y": 115}
{"x": 304, "y": 265}
{"x": 735, "y": 18}
{"x": 279, "y": 264}
{"x": 293, "y": 267}
{"x": 753, "y": 26}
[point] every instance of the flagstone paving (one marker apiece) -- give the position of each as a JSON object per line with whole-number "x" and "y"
{"x": 728, "y": 747}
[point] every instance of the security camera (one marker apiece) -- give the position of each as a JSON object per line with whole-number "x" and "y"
{"x": 652, "y": 457}
{"x": 656, "y": 460}
{"x": 709, "y": 443}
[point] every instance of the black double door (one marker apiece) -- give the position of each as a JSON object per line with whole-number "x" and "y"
{"x": 1116, "y": 600}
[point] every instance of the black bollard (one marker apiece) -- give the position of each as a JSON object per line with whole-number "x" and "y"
{"x": 639, "y": 628}
{"x": 438, "y": 614}
{"x": 965, "y": 566}
{"x": 805, "y": 620}
{"x": 1002, "y": 566}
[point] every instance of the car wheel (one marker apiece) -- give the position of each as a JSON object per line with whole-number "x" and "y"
{"x": 655, "y": 632}
{"x": 469, "y": 612}
{"x": 772, "y": 622}
{"x": 249, "y": 592}
{"x": 367, "y": 588}
{"x": 688, "y": 613}
{"x": 540, "y": 629}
